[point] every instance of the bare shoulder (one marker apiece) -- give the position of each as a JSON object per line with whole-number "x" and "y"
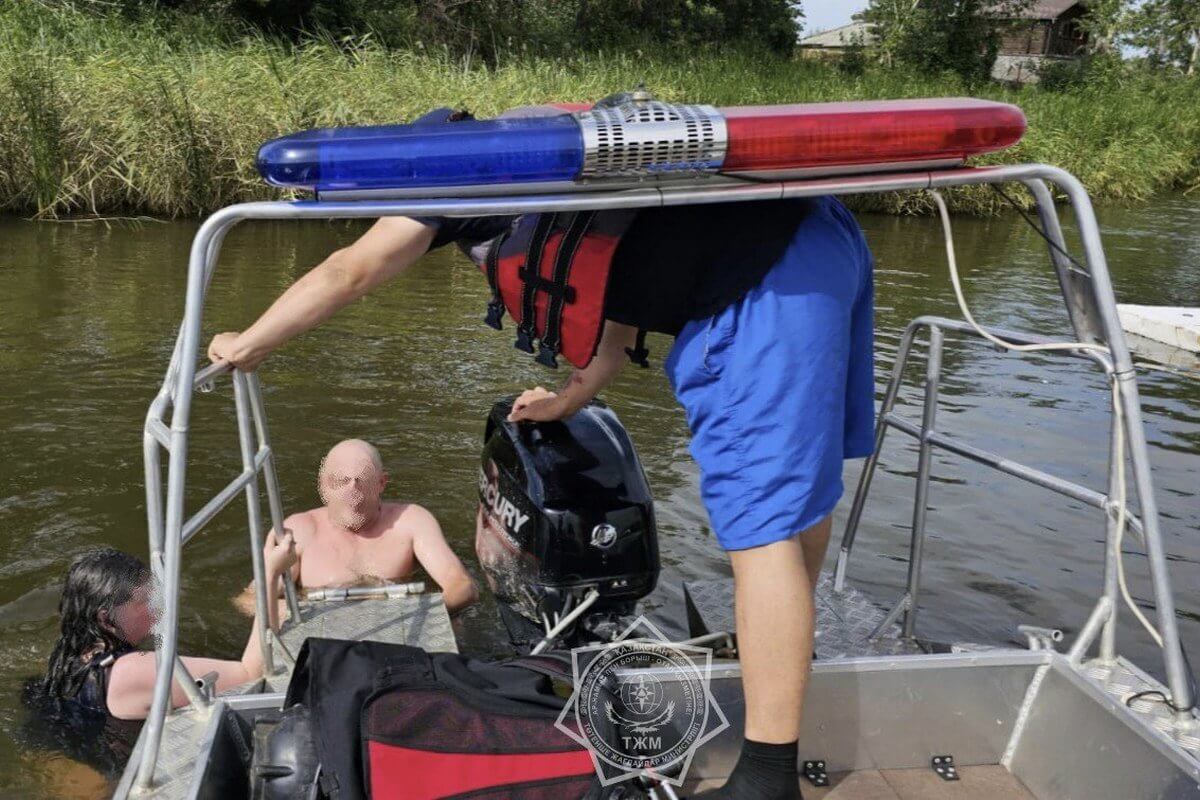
{"x": 411, "y": 519}
{"x": 131, "y": 667}
{"x": 132, "y": 676}
{"x": 302, "y": 524}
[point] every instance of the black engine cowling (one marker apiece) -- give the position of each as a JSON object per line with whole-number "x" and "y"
{"x": 564, "y": 508}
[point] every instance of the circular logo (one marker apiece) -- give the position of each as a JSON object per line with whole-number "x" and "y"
{"x": 603, "y": 535}
{"x": 643, "y": 694}
{"x": 642, "y": 705}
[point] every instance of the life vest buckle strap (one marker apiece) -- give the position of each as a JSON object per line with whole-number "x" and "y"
{"x": 548, "y": 286}
{"x": 495, "y": 313}
{"x": 546, "y": 356}
{"x": 639, "y": 354}
{"x": 524, "y": 341}
{"x": 557, "y": 309}
{"x": 564, "y": 293}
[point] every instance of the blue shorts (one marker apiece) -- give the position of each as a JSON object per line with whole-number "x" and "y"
{"x": 778, "y": 388}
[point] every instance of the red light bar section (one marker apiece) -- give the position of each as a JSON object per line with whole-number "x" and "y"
{"x": 872, "y": 132}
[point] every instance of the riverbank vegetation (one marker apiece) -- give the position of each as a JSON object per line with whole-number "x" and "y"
{"x": 161, "y": 113}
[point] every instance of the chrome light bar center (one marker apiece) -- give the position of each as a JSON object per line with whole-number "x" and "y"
{"x": 651, "y": 138}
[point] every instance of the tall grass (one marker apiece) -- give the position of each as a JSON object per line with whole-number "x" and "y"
{"x": 163, "y": 117}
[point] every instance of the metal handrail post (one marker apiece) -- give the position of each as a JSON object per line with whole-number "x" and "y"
{"x": 178, "y": 385}
{"x": 1077, "y": 290}
{"x": 1135, "y": 437}
{"x": 264, "y": 595}
{"x": 868, "y": 471}
{"x": 933, "y": 374}
{"x": 169, "y": 392}
{"x": 154, "y": 510}
{"x": 191, "y": 687}
{"x": 1101, "y": 612}
{"x": 1112, "y": 549}
{"x": 274, "y": 498}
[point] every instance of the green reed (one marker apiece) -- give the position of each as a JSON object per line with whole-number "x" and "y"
{"x": 163, "y": 116}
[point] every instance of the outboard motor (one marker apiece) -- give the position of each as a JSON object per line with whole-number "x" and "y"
{"x": 564, "y": 510}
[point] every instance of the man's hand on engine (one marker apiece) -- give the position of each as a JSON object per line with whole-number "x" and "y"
{"x": 539, "y": 405}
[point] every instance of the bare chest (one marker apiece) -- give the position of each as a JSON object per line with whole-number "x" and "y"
{"x": 342, "y": 559}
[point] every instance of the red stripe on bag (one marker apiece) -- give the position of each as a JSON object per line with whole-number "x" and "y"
{"x": 403, "y": 773}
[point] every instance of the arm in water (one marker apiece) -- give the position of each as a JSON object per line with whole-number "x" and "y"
{"x": 386, "y": 250}
{"x": 433, "y": 553}
{"x": 539, "y": 405}
{"x": 131, "y": 684}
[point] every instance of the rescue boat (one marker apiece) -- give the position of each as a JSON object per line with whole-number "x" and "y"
{"x": 1055, "y": 719}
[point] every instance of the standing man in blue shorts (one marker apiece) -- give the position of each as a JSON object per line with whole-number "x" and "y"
{"x": 771, "y": 306}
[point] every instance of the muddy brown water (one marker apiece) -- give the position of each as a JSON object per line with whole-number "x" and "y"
{"x": 88, "y": 313}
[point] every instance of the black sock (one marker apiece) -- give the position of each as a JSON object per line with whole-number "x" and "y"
{"x": 764, "y": 771}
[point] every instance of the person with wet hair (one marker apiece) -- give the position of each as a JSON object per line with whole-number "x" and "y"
{"x": 356, "y": 538}
{"x": 106, "y": 610}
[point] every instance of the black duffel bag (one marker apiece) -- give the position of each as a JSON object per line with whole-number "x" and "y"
{"x": 392, "y": 722}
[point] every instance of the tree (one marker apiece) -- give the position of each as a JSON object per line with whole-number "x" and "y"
{"x": 889, "y": 21}
{"x": 1106, "y": 23}
{"x": 962, "y": 36}
{"x": 1170, "y": 31}
{"x": 773, "y": 25}
{"x": 488, "y": 28}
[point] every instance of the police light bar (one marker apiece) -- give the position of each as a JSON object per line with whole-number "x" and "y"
{"x": 636, "y": 141}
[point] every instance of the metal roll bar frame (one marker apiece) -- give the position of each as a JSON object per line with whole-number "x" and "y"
{"x": 1089, "y": 300}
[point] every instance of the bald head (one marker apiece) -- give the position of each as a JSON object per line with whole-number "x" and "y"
{"x": 351, "y": 451}
{"x": 351, "y": 482}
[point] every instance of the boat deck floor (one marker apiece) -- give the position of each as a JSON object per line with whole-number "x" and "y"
{"x": 988, "y": 782}
{"x": 975, "y": 783}
{"x": 420, "y": 620}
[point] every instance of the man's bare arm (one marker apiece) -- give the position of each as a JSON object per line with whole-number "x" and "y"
{"x": 434, "y": 554}
{"x": 301, "y": 528}
{"x": 539, "y": 405}
{"x": 386, "y": 250}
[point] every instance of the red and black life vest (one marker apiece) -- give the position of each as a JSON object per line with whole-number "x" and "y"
{"x": 550, "y": 271}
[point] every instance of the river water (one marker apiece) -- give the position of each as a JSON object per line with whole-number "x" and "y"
{"x": 88, "y": 313}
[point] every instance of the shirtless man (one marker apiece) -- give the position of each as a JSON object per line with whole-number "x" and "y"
{"x": 358, "y": 539}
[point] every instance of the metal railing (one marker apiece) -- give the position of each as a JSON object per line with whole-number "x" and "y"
{"x": 929, "y": 438}
{"x": 257, "y": 458}
{"x": 1088, "y": 298}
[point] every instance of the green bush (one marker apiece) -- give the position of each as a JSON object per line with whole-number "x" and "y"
{"x": 494, "y": 29}
{"x": 102, "y": 115}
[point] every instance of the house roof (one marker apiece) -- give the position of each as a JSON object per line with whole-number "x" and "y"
{"x": 846, "y": 35}
{"x": 1047, "y": 9}
{"x": 842, "y": 36}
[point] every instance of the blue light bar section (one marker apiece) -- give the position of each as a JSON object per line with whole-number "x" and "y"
{"x": 464, "y": 153}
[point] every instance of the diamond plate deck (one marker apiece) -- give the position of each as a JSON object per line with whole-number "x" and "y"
{"x": 845, "y": 620}
{"x": 182, "y": 740}
{"x": 1122, "y": 680}
{"x": 420, "y": 620}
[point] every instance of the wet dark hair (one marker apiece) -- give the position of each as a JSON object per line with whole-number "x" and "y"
{"x": 97, "y": 581}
